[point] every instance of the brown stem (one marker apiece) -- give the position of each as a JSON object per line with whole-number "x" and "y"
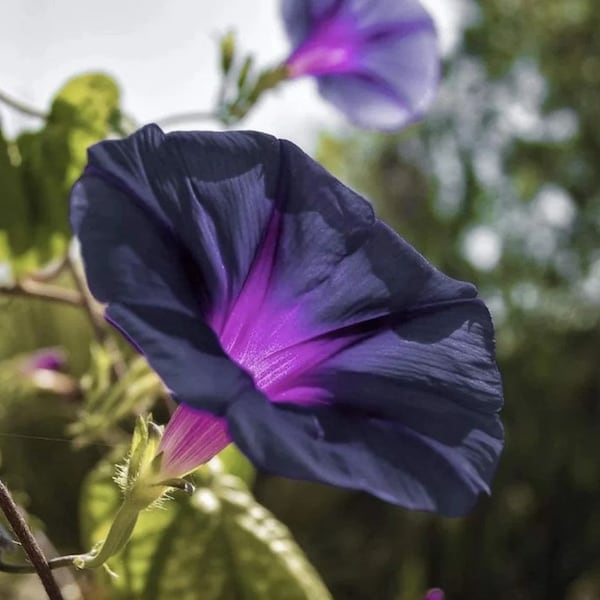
{"x": 30, "y": 288}
{"x": 30, "y": 546}
{"x": 119, "y": 368}
{"x": 87, "y": 301}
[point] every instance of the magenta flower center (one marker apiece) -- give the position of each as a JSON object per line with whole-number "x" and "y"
{"x": 331, "y": 47}
{"x": 270, "y": 339}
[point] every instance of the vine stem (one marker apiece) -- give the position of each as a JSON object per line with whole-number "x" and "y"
{"x": 30, "y": 546}
{"x": 31, "y": 288}
{"x": 86, "y": 300}
{"x": 119, "y": 367}
{"x": 53, "y": 563}
{"x": 21, "y": 107}
{"x": 49, "y": 272}
{"x": 186, "y": 116}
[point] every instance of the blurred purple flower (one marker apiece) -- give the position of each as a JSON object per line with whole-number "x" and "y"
{"x": 285, "y": 317}
{"x": 44, "y": 369}
{"x": 376, "y": 60}
{"x": 49, "y": 359}
{"x": 435, "y": 594}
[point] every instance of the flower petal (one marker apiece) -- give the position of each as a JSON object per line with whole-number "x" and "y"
{"x": 311, "y": 261}
{"x": 375, "y": 60}
{"x": 212, "y": 193}
{"x": 299, "y": 17}
{"x": 390, "y": 363}
{"x": 407, "y": 64}
{"x": 382, "y": 457}
{"x": 191, "y": 438}
{"x": 375, "y": 13}
{"x": 430, "y": 368}
{"x": 409, "y": 413}
{"x": 339, "y": 262}
{"x": 366, "y": 102}
{"x": 144, "y": 277}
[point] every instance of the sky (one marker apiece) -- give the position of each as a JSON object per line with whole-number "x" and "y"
{"x": 164, "y": 57}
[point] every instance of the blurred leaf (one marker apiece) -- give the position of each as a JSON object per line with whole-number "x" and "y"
{"x": 219, "y": 544}
{"x": 15, "y": 216}
{"x": 38, "y": 171}
{"x": 233, "y": 462}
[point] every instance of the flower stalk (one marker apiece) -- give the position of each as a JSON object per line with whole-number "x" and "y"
{"x": 143, "y": 486}
{"x": 119, "y": 534}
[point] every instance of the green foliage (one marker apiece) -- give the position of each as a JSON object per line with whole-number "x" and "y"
{"x": 38, "y": 170}
{"x": 217, "y": 544}
{"x": 15, "y": 218}
{"x": 107, "y": 401}
{"x": 233, "y": 462}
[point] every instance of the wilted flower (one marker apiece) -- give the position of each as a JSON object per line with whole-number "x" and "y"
{"x": 376, "y": 60}
{"x": 283, "y": 316}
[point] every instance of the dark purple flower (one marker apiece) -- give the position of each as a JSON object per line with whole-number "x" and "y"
{"x": 435, "y": 594}
{"x": 375, "y": 60}
{"x": 284, "y": 316}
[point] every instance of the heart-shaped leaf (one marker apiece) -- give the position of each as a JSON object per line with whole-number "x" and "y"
{"x": 218, "y": 544}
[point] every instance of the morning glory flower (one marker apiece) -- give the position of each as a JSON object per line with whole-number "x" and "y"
{"x": 376, "y": 60}
{"x": 284, "y": 316}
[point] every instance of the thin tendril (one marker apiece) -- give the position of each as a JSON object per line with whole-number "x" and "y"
{"x": 21, "y": 107}
{"x": 174, "y": 119}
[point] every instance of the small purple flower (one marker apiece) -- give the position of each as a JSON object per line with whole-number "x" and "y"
{"x": 47, "y": 359}
{"x": 435, "y": 594}
{"x": 375, "y": 60}
{"x": 285, "y": 317}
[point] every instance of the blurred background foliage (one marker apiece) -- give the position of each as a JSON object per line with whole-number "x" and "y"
{"x": 500, "y": 185}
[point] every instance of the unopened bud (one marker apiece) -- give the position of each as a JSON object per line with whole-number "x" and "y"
{"x": 227, "y": 51}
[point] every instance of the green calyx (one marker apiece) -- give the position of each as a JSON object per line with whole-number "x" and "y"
{"x": 143, "y": 487}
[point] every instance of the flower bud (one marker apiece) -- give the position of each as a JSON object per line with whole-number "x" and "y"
{"x": 227, "y": 52}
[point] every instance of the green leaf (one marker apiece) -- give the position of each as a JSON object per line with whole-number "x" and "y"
{"x": 37, "y": 172}
{"x": 218, "y": 544}
{"x": 15, "y": 214}
{"x": 233, "y": 462}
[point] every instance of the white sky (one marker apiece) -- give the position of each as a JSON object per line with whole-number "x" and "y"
{"x": 163, "y": 55}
